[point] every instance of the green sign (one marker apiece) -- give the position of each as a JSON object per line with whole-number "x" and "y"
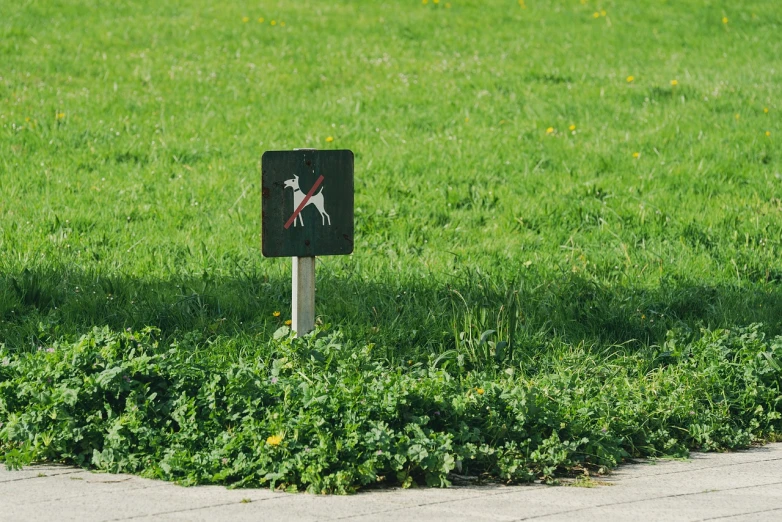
{"x": 307, "y": 203}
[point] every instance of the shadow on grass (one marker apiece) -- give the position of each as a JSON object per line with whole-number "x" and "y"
{"x": 407, "y": 317}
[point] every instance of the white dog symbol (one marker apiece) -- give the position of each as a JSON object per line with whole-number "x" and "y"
{"x": 298, "y": 197}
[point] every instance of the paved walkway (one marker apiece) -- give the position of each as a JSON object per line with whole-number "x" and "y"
{"x": 743, "y": 486}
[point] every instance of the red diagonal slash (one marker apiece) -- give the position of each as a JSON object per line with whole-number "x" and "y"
{"x": 303, "y": 202}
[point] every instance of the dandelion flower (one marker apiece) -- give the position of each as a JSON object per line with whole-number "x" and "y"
{"x": 595, "y": 15}
{"x": 276, "y": 314}
{"x": 329, "y": 139}
{"x": 447, "y": 5}
{"x": 768, "y": 133}
{"x": 674, "y": 83}
{"x": 636, "y": 155}
{"x": 273, "y": 22}
{"x": 630, "y": 79}
{"x": 288, "y": 322}
{"x": 572, "y": 127}
{"x": 765, "y": 110}
{"x": 60, "y": 115}
{"x": 550, "y": 130}
{"x": 424, "y": 2}
{"x": 724, "y": 19}
{"x": 602, "y": 12}
{"x": 436, "y": 1}
{"x": 466, "y": 119}
{"x": 245, "y": 19}
{"x": 282, "y": 24}
{"x": 261, "y": 20}
{"x": 737, "y": 116}
{"x": 274, "y": 440}
{"x": 479, "y": 391}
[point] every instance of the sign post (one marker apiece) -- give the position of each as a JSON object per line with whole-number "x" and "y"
{"x": 307, "y": 205}
{"x": 303, "y": 299}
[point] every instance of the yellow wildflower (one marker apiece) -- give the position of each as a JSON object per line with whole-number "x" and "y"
{"x": 572, "y": 127}
{"x": 447, "y": 5}
{"x": 436, "y": 1}
{"x": 630, "y": 79}
{"x": 479, "y": 391}
{"x": 60, "y": 115}
{"x": 282, "y": 24}
{"x": 329, "y": 139}
{"x": 273, "y": 22}
{"x": 602, "y": 12}
{"x": 274, "y": 440}
{"x": 288, "y": 322}
{"x": 261, "y": 20}
{"x": 595, "y": 15}
{"x": 636, "y": 155}
{"x": 466, "y": 119}
{"x": 276, "y": 314}
{"x": 550, "y": 130}
{"x": 737, "y": 116}
{"x": 724, "y": 19}
{"x": 765, "y": 110}
{"x": 674, "y": 83}
{"x": 424, "y": 2}
{"x": 245, "y": 19}
{"x": 768, "y": 133}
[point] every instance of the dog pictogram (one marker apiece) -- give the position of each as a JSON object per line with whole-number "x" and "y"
{"x": 300, "y": 200}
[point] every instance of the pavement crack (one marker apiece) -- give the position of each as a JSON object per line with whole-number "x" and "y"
{"x": 675, "y": 495}
{"x": 724, "y": 517}
{"x": 425, "y": 504}
{"x": 186, "y": 510}
{"x": 86, "y": 494}
{"x": 624, "y": 479}
{"x": 42, "y": 476}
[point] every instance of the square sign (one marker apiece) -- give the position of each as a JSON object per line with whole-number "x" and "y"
{"x": 307, "y": 203}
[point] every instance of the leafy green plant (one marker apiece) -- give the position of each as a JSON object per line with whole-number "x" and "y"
{"x": 323, "y": 415}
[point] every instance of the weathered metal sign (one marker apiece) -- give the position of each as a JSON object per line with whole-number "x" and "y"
{"x": 307, "y": 203}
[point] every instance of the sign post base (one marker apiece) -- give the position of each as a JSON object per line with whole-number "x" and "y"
{"x": 303, "y": 320}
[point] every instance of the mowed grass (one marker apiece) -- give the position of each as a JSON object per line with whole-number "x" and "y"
{"x": 595, "y": 183}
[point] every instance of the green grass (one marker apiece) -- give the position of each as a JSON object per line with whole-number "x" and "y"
{"x": 130, "y": 145}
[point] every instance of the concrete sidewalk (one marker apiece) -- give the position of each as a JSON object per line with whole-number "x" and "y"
{"x": 743, "y": 486}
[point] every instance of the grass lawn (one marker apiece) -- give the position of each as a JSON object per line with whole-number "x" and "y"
{"x": 568, "y": 237}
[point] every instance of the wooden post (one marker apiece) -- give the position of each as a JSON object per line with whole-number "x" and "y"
{"x": 303, "y": 321}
